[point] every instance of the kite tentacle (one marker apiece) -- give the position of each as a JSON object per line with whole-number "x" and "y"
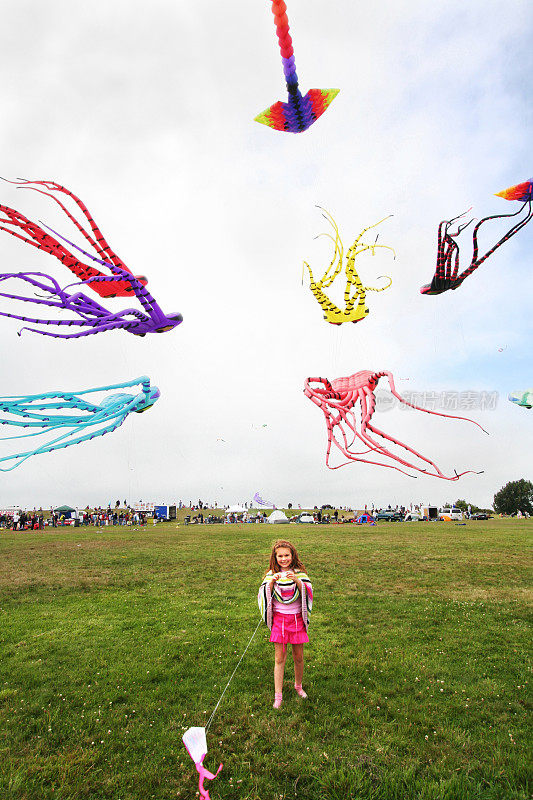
{"x": 93, "y": 315}
{"x": 28, "y": 277}
{"x": 355, "y": 308}
{"x": 338, "y": 251}
{"x": 43, "y": 241}
{"x": 398, "y": 396}
{"x": 89, "y": 313}
{"x": 81, "y": 420}
{"x": 156, "y": 316}
{"x": 59, "y": 443}
{"x": 380, "y": 288}
{"x": 205, "y": 774}
{"x": 38, "y": 321}
{"x": 367, "y": 412}
{"x": 476, "y": 262}
{"x": 98, "y": 240}
{"x": 77, "y": 335}
{"x": 448, "y": 277}
{"x": 143, "y": 295}
{"x": 340, "y": 397}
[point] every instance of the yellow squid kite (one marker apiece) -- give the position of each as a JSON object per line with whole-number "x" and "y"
{"x": 355, "y": 293}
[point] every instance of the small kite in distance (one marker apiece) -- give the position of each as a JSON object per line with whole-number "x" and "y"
{"x": 69, "y": 417}
{"x": 260, "y": 502}
{"x": 447, "y": 275}
{"x": 338, "y": 401}
{"x": 524, "y": 399}
{"x": 39, "y": 238}
{"x": 355, "y": 308}
{"x": 299, "y": 112}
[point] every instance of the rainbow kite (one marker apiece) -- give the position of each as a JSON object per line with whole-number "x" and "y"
{"x": 300, "y": 111}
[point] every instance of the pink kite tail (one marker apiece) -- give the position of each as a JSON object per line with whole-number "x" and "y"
{"x": 205, "y": 774}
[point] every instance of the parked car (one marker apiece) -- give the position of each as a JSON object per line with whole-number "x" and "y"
{"x": 304, "y": 517}
{"x": 413, "y": 516}
{"x": 388, "y": 516}
{"x": 481, "y": 515}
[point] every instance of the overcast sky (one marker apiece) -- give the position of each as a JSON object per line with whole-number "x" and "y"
{"x": 146, "y": 111}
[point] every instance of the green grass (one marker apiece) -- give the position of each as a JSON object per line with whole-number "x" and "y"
{"x": 114, "y": 641}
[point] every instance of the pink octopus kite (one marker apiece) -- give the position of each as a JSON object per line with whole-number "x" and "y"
{"x": 337, "y": 400}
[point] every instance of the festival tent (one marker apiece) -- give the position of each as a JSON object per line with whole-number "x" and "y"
{"x": 277, "y": 517}
{"x": 365, "y": 518}
{"x": 67, "y": 511}
{"x": 236, "y": 510}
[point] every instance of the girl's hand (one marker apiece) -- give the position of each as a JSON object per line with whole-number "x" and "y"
{"x": 274, "y": 579}
{"x": 291, "y": 574}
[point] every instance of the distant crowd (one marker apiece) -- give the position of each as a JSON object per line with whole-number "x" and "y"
{"x": 37, "y": 520}
{"x": 23, "y": 521}
{"x": 100, "y": 518}
{"x": 203, "y": 513}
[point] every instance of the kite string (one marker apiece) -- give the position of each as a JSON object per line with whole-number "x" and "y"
{"x": 235, "y": 670}
{"x": 232, "y": 675}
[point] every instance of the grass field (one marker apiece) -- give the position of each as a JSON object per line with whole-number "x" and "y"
{"x": 114, "y": 641}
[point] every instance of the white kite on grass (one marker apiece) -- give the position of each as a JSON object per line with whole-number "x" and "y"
{"x": 195, "y": 741}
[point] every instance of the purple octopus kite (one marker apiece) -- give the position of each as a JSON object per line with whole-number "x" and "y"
{"x": 88, "y": 316}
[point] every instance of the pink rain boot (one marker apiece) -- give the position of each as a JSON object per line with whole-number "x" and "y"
{"x": 299, "y": 691}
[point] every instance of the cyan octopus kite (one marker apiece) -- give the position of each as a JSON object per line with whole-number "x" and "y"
{"x": 354, "y": 304}
{"x": 69, "y": 418}
{"x": 16, "y": 223}
{"x": 447, "y": 274}
{"x": 337, "y": 400}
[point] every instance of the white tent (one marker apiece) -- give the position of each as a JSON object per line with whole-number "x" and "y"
{"x": 277, "y": 517}
{"x": 236, "y": 510}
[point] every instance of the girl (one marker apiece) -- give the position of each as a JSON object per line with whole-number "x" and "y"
{"x": 285, "y": 601}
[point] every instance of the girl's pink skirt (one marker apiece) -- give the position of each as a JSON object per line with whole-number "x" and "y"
{"x": 288, "y": 629}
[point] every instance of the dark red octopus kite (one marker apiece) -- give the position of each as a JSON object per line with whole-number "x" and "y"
{"x": 17, "y": 224}
{"x": 447, "y": 275}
